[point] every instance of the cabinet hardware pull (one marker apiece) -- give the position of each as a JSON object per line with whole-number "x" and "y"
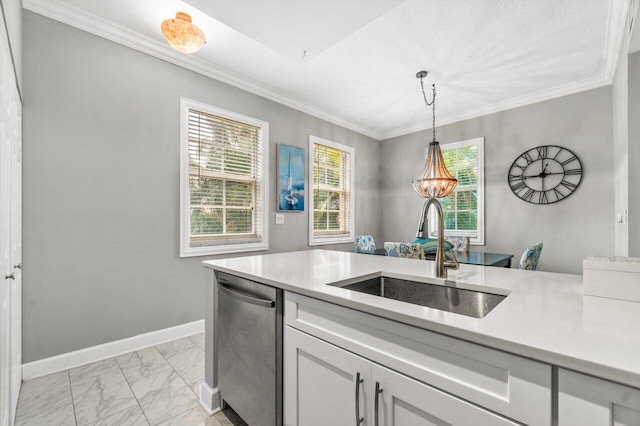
{"x": 359, "y": 381}
{"x": 377, "y": 403}
{"x": 10, "y": 277}
{"x": 18, "y": 266}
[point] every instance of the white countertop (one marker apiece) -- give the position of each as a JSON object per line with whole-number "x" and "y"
{"x": 545, "y": 317}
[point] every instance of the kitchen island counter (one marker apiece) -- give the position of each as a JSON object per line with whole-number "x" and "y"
{"x": 545, "y": 316}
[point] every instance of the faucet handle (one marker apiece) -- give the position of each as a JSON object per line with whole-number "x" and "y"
{"x": 453, "y": 263}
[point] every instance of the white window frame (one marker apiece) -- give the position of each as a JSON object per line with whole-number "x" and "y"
{"x": 233, "y": 246}
{"x": 315, "y": 240}
{"x": 475, "y": 237}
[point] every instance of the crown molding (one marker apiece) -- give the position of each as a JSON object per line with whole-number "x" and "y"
{"x": 90, "y": 23}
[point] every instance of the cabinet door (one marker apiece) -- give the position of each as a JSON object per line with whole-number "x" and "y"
{"x": 587, "y": 401}
{"x": 321, "y": 385}
{"x": 406, "y": 402}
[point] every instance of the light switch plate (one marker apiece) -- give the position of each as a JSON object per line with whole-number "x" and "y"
{"x": 279, "y": 219}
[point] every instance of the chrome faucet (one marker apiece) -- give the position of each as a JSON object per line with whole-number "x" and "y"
{"x": 441, "y": 264}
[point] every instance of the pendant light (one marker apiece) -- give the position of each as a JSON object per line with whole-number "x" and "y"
{"x": 182, "y": 35}
{"x": 435, "y": 180}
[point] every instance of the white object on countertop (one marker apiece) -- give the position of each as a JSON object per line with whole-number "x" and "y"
{"x": 614, "y": 277}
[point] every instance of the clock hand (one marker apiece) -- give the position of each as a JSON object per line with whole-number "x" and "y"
{"x": 543, "y": 176}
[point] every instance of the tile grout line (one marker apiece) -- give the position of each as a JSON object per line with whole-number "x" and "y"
{"x": 177, "y": 372}
{"x": 131, "y": 389}
{"x": 73, "y": 402}
{"x": 185, "y": 382}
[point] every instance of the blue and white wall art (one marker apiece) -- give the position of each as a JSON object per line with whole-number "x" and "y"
{"x": 290, "y": 178}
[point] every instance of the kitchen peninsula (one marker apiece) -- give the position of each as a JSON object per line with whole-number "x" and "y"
{"x": 546, "y": 353}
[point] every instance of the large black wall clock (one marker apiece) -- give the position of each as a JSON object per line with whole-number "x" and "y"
{"x": 545, "y": 174}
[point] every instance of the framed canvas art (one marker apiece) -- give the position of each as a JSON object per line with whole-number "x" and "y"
{"x": 290, "y": 179}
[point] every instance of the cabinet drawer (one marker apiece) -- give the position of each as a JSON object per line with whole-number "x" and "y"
{"x": 405, "y": 401}
{"x": 516, "y": 387}
{"x": 588, "y": 401}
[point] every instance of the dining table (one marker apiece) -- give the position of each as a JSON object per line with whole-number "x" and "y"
{"x": 472, "y": 257}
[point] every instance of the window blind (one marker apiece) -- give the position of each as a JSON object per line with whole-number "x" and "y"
{"x": 331, "y": 191}
{"x": 224, "y": 180}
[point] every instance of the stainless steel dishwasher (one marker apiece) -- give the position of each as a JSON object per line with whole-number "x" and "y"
{"x": 250, "y": 349}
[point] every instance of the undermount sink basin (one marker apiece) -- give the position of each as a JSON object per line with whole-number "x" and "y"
{"x": 476, "y": 304}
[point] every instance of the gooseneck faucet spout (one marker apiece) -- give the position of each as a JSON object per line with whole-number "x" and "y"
{"x": 441, "y": 264}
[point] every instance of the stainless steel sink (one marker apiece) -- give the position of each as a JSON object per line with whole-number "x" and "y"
{"x": 471, "y": 303}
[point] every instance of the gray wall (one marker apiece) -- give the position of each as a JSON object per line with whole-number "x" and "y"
{"x": 634, "y": 154}
{"x": 579, "y": 225}
{"x": 101, "y": 188}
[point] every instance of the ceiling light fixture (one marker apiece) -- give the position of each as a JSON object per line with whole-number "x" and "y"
{"x": 182, "y": 35}
{"x": 435, "y": 180}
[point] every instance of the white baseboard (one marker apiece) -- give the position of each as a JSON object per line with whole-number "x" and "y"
{"x": 80, "y": 357}
{"x": 209, "y": 398}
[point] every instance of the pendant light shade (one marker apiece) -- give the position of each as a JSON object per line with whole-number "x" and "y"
{"x": 182, "y": 35}
{"x": 435, "y": 180}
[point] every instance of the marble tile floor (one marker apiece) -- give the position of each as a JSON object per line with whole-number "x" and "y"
{"x": 153, "y": 386}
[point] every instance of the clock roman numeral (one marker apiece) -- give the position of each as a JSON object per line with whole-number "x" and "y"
{"x": 573, "y": 172}
{"x": 543, "y": 199}
{"x": 528, "y": 158}
{"x": 570, "y": 186}
{"x": 565, "y": 162}
{"x": 513, "y": 178}
{"x": 518, "y": 186}
{"x": 559, "y": 195}
{"x": 528, "y": 196}
{"x": 542, "y": 152}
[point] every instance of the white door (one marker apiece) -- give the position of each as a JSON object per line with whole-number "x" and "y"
{"x": 5, "y": 269}
{"x": 10, "y": 234}
{"x": 321, "y": 383}
{"x": 16, "y": 252}
{"x": 402, "y": 401}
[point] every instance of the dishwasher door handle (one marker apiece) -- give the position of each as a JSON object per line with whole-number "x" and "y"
{"x": 265, "y": 303}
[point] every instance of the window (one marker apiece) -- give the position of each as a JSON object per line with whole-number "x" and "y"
{"x": 224, "y": 160}
{"x": 331, "y": 218}
{"x": 464, "y": 208}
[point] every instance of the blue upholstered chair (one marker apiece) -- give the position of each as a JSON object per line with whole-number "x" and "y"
{"x": 530, "y": 257}
{"x": 365, "y": 244}
{"x": 408, "y": 250}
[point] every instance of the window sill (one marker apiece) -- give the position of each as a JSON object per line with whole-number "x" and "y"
{"x": 222, "y": 249}
{"x": 319, "y": 241}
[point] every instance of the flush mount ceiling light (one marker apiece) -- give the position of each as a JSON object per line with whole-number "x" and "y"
{"x": 435, "y": 180}
{"x": 182, "y": 35}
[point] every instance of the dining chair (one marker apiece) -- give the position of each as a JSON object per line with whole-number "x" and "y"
{"x": 530, "y": 257}
{"x": 459, "y": 243}
{"x": 407, "y": 250}
{"x": 365, "y": 244}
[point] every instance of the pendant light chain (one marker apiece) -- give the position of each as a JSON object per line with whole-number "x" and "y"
{"x": 431, "y": 104}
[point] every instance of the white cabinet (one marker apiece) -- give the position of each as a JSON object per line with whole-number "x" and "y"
{"x": 326, "y": 385}
{"x": 513, "y": 386}
{"x": 587, "y": 401}
{"x": 323, "y": 383}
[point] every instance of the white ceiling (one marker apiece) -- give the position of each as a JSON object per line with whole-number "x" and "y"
{"x": 362, "y": 55}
